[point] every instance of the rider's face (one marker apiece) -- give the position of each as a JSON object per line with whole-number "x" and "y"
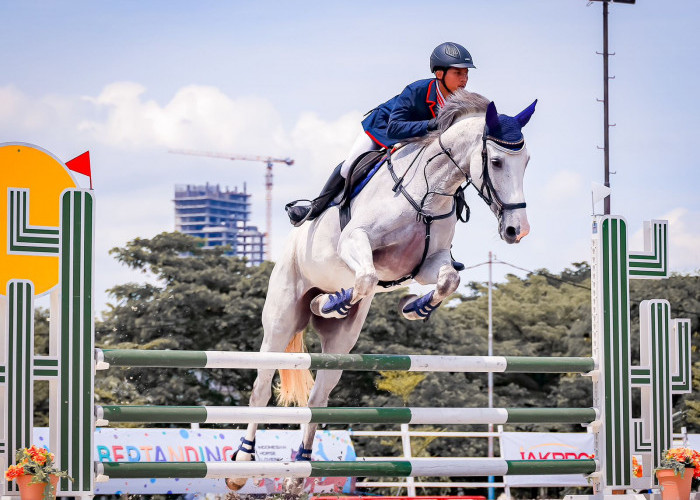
{"x": 455, "y": 78}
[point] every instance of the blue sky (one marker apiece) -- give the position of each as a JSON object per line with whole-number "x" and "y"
{"x": 128, "y": 80}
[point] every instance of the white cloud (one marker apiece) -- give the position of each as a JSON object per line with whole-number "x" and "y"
{"x": 121, "y": 118}
{"x": 196, "y": 117}
{"x": 326, "y": 142}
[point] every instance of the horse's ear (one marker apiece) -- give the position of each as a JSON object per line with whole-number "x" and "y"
{"x": 525, "y": 115}
{"x": 492, "y": 117}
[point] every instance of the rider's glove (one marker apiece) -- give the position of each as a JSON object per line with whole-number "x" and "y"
{"x": 432, "y": 124}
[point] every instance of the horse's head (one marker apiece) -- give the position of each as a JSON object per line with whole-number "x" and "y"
{"x": 498, "y": 169}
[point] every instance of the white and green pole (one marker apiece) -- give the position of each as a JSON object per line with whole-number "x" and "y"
{"x": 106, "y": 358}
{"x": 463, "y": 467}
{"x": 303, "y": 415}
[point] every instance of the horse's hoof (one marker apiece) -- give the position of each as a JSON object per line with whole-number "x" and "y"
{"x": 414, "y": 308}
{"x": 247, "y": 454}
{"x": 235, "y": 484}
{"x": 332, "y": 305}
{"x": 405, "y": 300}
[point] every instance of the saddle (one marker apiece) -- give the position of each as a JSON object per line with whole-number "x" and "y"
{"x": 360, "y": 173}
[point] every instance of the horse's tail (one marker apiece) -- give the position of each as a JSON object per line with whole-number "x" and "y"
{"x": 295, "y": 385}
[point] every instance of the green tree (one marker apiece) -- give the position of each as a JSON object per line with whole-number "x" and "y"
{"x": 196, "y": 300}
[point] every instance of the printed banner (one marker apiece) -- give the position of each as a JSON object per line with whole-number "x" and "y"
{"x": 209, "y": 445}
{"x": 546, "y": 446}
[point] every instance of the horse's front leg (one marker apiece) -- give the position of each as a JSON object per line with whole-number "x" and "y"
{"x": 355, "y": 250}
{"x": 437, "y": 269}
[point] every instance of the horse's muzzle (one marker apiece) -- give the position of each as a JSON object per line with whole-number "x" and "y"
{"x": 513, "y": 227}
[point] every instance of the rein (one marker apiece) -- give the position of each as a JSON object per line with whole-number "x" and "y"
{"x": 486, "y": 193}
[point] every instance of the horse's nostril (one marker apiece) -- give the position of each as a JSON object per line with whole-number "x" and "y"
{"x": 511, "y": 232}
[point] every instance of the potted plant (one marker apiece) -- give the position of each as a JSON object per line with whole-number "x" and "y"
{"x": 675, "y": 472}
{"x": 35, "y": 473}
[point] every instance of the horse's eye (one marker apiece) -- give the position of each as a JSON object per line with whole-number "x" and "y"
{"x": 496, "y": 162}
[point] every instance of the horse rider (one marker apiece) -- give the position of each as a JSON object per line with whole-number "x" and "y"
{"x": 412, "y": 113}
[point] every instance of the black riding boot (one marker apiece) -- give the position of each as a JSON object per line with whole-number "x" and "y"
{"x": 334, "y": 186}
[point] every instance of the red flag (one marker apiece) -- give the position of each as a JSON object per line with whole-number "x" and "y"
{"x": 81, "y": 165}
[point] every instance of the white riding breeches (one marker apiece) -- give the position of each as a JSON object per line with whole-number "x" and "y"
{"x": 361, "y": 145}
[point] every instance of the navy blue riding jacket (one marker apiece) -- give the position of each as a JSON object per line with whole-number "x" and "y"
{"x": 403, "y": 116}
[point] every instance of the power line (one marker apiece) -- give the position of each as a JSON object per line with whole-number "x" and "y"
{"x": 568, "y": 282}
{"x": 572, "y": 283}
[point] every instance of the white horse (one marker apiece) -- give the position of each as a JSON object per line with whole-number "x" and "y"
{"x": 402, "y": 226}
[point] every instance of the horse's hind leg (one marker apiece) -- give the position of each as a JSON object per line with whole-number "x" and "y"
{"x": 436, "y": 269}
{"x": 284, "y": 315}
{"x": 355, "y": 249}
{"x": 337, "y": 337}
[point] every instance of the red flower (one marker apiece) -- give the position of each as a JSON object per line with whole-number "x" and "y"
{"x": 14, "y": 471}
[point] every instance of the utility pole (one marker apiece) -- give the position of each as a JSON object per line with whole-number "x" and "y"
{"x": 491, "y": 492}
{"x": 606, "y": 100}
{"x": 606, "y": 110}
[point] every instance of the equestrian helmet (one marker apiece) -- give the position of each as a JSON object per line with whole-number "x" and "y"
{"x": 450, "y": 55}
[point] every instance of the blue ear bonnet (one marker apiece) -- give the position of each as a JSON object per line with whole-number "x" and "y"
{"x": 506, "y": 130}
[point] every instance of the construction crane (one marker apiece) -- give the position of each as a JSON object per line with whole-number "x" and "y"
{"x": 269, "y": 161}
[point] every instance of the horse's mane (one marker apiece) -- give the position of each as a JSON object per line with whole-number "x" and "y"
{"x": 460, "y": 103}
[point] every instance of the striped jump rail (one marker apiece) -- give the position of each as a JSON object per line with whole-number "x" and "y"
{"x": 104, "y": 415}
{"x": 457, "y": 467}
{"x": 105, "y": 358}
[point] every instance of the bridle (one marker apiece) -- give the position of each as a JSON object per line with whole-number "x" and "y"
{"x": 487, "y": 193}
